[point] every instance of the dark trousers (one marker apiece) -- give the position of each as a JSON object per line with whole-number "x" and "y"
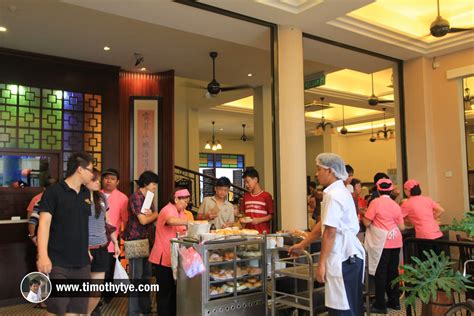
{"x": 139, "y": 269}
{"x": 352, "y": 272}
{"x": 386, "y": 272}
{"x": 166, "y": 296}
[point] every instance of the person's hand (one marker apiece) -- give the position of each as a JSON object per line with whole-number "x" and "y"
{"x": 147, "y": 212}
{"x": 321, "y": 273}
{"x": 34, "y": 240}
{"x": 255, "y": 221}
{"x": 211, "y": 216}
{"x": 44, "y": 264}
{"x": 292, "y": 251}
{"x": 116, "y": 249}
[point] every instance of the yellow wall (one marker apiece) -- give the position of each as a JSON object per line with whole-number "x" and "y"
{"x": 434, "y": 119}
{"x": 365, "y": 157}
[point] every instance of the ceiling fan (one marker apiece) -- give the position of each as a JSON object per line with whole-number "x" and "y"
{"x": 440, "y": 27}
{"x": 372, "y": 138}
{"x": 373, "y": 99}
{"x": 344, "y": 130}
{"x": 214, "y": 87}
{"x": 315, "y": 106}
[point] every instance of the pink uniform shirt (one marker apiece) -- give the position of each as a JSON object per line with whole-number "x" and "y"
{"x": 419, "y": 210}
{"x": 161, "y": 252}
{"x": 117, "y": 213}
{"x": 386, "y": 214}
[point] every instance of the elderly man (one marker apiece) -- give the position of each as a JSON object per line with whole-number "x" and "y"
{"x": 341, "y": 261}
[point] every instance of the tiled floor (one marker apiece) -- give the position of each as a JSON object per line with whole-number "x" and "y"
{"x": 118, "y": 306}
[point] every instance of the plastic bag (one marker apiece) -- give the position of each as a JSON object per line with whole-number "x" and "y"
{"x": 191, "y": 262}
{"x": 119, "y": 273}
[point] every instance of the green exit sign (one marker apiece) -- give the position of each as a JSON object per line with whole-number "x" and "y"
{"x": 315, "y": 82}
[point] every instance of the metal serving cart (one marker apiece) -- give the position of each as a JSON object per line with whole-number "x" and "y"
{"x": 234, "y": 280}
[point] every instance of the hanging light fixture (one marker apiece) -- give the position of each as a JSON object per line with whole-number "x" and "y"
{"x": 213, "y": 144}
{"x": 343, "y": 130}
{"x": 468, "y": 99}
{"x": 385, "y": 133}
{"x": 372, "y": 139}
{"x": 244, "y": 137}
{"x": 321, "y": 127}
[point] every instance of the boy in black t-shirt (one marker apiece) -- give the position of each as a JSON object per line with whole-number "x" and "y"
{"x": 63, "y": 232}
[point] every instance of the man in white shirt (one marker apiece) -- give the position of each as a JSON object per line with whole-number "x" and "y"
{"x": 341, "y": 260}
{"x": 216, "y": 208}
{"x": 34, "y": 296}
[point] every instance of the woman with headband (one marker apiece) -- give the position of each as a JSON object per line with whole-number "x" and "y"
{"x": 171, "y": 220}
{"x": 383, "y": 241}
{"x": 423, "y": 213}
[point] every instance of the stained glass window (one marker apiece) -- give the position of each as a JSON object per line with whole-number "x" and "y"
{"x": 208, "y": 160}
{"x": 51, "y": 119}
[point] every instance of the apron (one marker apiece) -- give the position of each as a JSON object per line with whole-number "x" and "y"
{"x": 335, "y": 292}
{"x": 374, "y": 241}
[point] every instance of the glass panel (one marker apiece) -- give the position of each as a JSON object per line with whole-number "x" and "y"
{"x": 29, "y": 96}
{"x": 7, "y": 137}
{"x": 97, "y": 160}
{"x": 92, "y": 122}
{"x": 9, "y": 94}
{"x": 8, "y": 115}
{"x": 51, "y": 140}
{"x": 51, "y": 119}
{"x": 18, "y": 171}
{"x": 73, "y": 101}
{"x": 52, "y": 99}
{"x": 28, "y": 117}
{"x": 28, "y": 138}
{"x": 92, "y": 142}
{"x": 73, "y": 121}
{"x": 93, "y": 103}
{"x": 72, "y": 141}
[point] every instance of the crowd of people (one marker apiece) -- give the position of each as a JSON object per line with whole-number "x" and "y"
{"x": 76, "y": 223}
{"x": 339, "y": 212}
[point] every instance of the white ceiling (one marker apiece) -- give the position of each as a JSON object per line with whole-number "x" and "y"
{"x": 179, "y": 37}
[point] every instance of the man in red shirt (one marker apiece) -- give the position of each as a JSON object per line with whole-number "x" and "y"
{"x": 257, "y": 204}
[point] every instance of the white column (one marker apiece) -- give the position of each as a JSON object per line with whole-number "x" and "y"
{"x": 262, "y": 118}
{"x": 291, "y": 129}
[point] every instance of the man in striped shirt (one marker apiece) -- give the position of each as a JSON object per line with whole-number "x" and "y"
{"x": 257, "y": 204}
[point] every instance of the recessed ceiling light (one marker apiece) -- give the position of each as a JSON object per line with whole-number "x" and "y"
{"x": 143, "y": 69}
{"x": 106, "y": 48}
{"x": 249, "y": 75}
{"x": 221, "y": 129}
{"x": 3, "y": 29}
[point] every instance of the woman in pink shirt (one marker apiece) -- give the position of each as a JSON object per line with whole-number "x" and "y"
{"x": 385, "y": 214}
{"x": 171, "y": 220}
{"x": 423, "y": 213}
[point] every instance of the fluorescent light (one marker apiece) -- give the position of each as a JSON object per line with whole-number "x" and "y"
{"x": 106, "y": 48}
{"x": 3, "y": 29}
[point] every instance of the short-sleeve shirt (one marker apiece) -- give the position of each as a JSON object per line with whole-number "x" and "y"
{"x": 419, "y": 210}
{"x": 161, "y": 252}
{"x": 338, "y": 211}
{"x": 97, "y": 233}
{"x": 225, "y": 212}
{"x": 258, "y": 205}
{"x": 118, "y": 212}
{"x": 134, "y": 230}
{"x": 69, "y": 231}
{"x": 387, "y": 215}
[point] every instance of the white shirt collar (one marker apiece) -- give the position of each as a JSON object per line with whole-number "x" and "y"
{"x": 336, "y": 184}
